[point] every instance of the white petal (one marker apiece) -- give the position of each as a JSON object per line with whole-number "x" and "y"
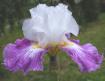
{"x": 49, "y": 24}
{"x": 73, "y": 26}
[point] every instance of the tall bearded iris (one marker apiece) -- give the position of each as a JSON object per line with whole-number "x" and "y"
{"x": 49, "y": 27}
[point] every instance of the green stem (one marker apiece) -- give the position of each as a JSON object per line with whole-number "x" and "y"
{"x": 53, "y": 62}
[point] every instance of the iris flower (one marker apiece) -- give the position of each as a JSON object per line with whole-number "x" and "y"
{"x": 49, "y": 27}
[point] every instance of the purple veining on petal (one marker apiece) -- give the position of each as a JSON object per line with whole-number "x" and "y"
{"x": 93, "y": 51}
{"x": 25, "y": 59}
{"x": 86, "y": 56}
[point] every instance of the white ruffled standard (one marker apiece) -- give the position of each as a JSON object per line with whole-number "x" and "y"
{"x": 49, "y": 24}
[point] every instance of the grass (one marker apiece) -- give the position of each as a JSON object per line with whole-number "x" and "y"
{"x": 93, "y": 32}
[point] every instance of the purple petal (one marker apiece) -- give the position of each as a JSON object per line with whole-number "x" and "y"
{"x": 22, "y": 43}
{"x": 25, "y": 59}
{"x": 86, "y": 56}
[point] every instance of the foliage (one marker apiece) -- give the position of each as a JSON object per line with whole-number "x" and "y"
{"x": 102, "y": 4}
{"x": 90, "y": 9}
{"x": 12, "y": 11}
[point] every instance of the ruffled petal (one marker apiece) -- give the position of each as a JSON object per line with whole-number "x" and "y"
{"x": 24, "y": 56}
{"x": 86, "y": 56}
{"x": 49, "y": 24}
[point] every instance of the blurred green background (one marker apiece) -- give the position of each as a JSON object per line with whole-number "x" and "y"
{"x": 90, "y": 15}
